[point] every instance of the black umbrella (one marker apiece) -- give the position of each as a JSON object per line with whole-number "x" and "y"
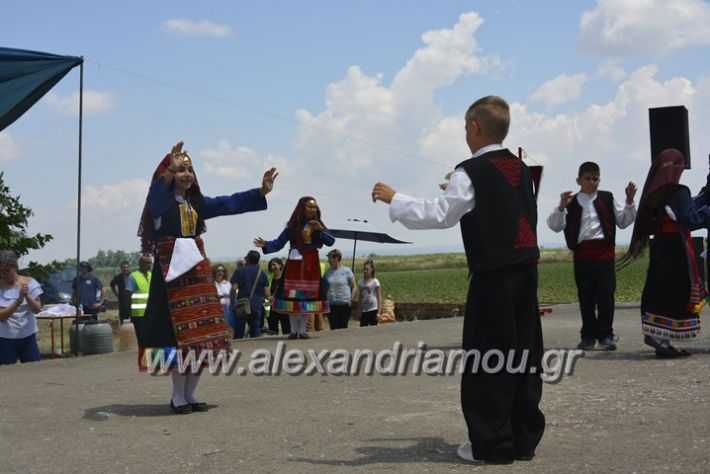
{"x": 357, "y": 229}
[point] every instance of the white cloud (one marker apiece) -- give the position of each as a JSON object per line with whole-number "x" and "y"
{"x": 560, "y": 90}
{"x": 448, "y": 54}
{"x": 371, "y": 121}
{"x": 239, "y": 163}
{"x": 9, "y": 149}
{"x": 127, "y": 194}
{"x": 196, "y": 28}
{"x": 612, "y": 70}
{"x": 619, "y": 28}
{"x": 94, "y": 102}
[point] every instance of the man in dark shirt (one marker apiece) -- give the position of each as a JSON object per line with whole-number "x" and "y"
{"x": 91, "y": 286}
{"x": 118, "y": 287}
{"x": 243, "y": 280}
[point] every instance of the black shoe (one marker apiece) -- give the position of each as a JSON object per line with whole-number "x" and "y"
{"x": 648, "y": 340}
{"x": 293, "y": 336}
{"x": 182, "y": 409}
{"x": 586, "y": 344}
{"x": 199, "y": 406}
{"x": 671, "y": 352}
{"x": 304, "y": 335}
{"x": 609, "y": 343}
{"x": 665, "y": 352}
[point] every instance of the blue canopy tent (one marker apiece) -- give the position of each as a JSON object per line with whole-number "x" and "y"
{"x": 25, "y": 76}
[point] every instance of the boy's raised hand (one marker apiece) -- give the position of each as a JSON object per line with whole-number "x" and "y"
{"x": 565, "y": 199}
{"x": 630, "y": 192}
{"x": 382, "y": 192}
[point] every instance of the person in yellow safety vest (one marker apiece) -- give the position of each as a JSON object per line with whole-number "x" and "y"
{"x": 137, "y": 289}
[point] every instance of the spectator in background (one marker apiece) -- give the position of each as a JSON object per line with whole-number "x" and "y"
{"x": 341, "y": 290}
{"x": 219, "y": 272}
{"x": 371, "y": 292}
{"x": 19, "y": 302}
{"x": 92, "y": 293}
{"x": 276, "y": 268}
{"x": 137, "y": 291}
{"x": 118, "y": 287}
{"x": 244, "y": 279}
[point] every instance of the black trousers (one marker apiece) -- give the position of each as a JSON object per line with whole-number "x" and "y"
{"x": 138, "y": 325}
{"x": 276, "y": 318}
{"x": 368, "y": 318}
{"x": 339, "y": 316}
{"x": 596, "y": 285}
{"x": 502, "y": 408}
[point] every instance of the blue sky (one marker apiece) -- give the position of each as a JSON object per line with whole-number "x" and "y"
{"x": 248, "y": 85}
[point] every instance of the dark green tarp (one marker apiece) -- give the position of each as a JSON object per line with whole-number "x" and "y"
{"x": 25, "y": 76}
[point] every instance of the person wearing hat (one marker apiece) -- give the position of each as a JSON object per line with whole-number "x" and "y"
{"x": 19, "y": 302}
{"x": 90, "y": 287}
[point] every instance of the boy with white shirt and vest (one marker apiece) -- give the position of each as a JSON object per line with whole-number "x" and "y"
{"x": 491, "y": 196}
{"x": 589, "y": 220}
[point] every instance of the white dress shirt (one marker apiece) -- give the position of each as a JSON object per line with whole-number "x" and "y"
{"x": 590, "y": 227}
{"x": 444, "y": 211}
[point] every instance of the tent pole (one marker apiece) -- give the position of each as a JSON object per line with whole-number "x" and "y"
{"x": 78, "y": 206}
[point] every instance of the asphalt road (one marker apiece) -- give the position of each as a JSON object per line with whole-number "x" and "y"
{"x": 622, "y": 411}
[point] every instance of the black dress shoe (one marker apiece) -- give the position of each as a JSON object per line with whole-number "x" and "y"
{"x": 293, "y": 336}
{"x": 671, "y": 352}
{"x": 652, "y": 342}
{"x": 182, "y": 409}
{"x": 199, "y": 406}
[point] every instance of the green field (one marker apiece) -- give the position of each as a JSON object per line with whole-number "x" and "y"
{"x": 443, "y": 278}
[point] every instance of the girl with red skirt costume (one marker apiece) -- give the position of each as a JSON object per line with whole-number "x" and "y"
{"x": 303, "y": 291}
{"x": 674, "y": 292}
{"x": 183, "y": 316}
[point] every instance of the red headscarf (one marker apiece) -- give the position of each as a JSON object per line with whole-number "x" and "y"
{"x": 298, "y": 220}
{"x": 146, "y": 228}
{"x": 664, "y": 175}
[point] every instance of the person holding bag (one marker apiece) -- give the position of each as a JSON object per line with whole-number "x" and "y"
{"x": 250, "y": 286}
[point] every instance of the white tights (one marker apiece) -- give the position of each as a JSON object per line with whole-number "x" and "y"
{"x": 184, "y": 386}
{"x": 299, "y": 322}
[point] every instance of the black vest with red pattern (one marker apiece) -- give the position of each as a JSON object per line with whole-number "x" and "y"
{"x": 501, "y": 229}
{"x": 597, "y": 249}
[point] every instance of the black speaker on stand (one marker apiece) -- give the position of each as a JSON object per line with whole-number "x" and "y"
{"x": 669, "y": 129}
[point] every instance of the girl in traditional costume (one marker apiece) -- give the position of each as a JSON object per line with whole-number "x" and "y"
{"x": 303, "y": 291}
{"x": 183, "y": 314}
{"x": 674, "y": 292}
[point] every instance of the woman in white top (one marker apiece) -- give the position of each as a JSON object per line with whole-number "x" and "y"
{"x": 371, "y": 295}
{"x": 19, "y": 302}
{"x": 223, "y": 286}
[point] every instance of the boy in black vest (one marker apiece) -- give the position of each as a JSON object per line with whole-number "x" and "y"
{"x": 589, "y": 219}
{"x": 491, "y": 195}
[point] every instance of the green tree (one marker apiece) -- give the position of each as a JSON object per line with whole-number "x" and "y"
{"x": 13, "y": 229}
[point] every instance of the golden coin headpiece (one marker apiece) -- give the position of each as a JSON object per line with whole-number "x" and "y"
{"x": 186, "y": 161}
